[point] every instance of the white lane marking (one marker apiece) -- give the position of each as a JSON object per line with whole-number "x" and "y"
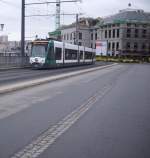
{"x": 46, "y": 139}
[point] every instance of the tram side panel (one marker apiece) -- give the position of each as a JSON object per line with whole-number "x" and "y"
{"x": 58, "y": 49}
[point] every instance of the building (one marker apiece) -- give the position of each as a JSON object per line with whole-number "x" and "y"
{"x": 11, "y": 47}
{"x": 84, "y": 33}
{"x": 3, "y": 39}
{"x": 127, "y": 33}
{"x": 3, "y": 43}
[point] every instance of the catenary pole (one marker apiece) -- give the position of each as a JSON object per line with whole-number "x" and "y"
{"x": 23, "y": 28}
{"x": 77, "y": 29}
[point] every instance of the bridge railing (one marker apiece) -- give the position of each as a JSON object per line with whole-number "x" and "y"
{"x": 13, "y": 61}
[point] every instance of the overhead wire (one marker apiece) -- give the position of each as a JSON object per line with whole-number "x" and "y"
{"x": 35, "y": 10}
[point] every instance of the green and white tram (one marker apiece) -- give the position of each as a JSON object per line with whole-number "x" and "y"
{"x": 51, "y": 54}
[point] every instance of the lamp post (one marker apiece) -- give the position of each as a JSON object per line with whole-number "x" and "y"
{"x": 2, "y": 27}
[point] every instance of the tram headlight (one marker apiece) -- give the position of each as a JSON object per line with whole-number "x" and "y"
{"x": 36, "y": 60}
{"x": 31, "y": 61}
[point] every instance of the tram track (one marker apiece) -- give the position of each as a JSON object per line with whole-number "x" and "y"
{"x": 34, "y": 82}
{"x": 14, "y": 76}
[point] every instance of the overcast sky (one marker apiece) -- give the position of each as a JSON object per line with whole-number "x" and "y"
{"x": 10, "y": 14}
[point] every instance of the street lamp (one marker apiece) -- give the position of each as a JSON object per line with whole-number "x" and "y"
{"x": 2, "y": 27}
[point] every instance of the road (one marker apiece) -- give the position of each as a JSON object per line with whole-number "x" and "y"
{"x": 16, "y": 75}
{"x": 102, "y": 114}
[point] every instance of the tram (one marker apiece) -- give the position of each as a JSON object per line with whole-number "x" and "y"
{"x": 52, "y": 54}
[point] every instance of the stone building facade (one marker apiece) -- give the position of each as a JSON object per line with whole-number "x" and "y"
{"x": 85, "y": 33}
{"x": 127, "y": 33}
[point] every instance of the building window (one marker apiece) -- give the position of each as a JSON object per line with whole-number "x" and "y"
{"x": 128, "y": 33}
{"x": 128, "y": 46}
{"x": 95, "y": 36}
{"x": 91, "y": 45}
{"x": 74, "y": 35}
{"x": 136, "y": 33}
{"x": 117, "y": 46}
{"x": 144, "y": 33}
{"x": 91, "y": 36}
{"x": 113, "y": 46}
{"x": 114, "y": 31}
{"x": 80, "y": 35}
{"x": 136, "y": 25}
{"x": 135, "y": 46}
{"x": 105, "y": 33}
{"x": 118, "y": 33}
{"x": 109, "y": 46}
{"x": 67, "y": 37}
{"x": 128, "y": 24}
{"x": 109, "y": 33}
{"x": 71, "y": 36}
{"x": 143, "y": 46}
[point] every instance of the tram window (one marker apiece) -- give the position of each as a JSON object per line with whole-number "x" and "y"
{"x": 81, "y": 54}
{"x": 39, "y": 50}
{"x": 70, "y": 54}
{"x": 88, "y": 55}
{"x": 58, "y": 52}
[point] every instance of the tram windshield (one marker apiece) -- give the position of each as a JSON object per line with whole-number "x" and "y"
{"x": 38, "y": 51}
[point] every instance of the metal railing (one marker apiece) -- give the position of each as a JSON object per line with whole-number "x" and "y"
{"x": 13, "y": 61}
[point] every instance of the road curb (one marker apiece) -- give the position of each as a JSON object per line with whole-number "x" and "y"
{"x": 13, "y": 68}
{"x": 35, "y": 82}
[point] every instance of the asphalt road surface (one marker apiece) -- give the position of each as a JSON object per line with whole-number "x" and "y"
{"x": 16, "y": 75}
{"x": 102, "y": 114}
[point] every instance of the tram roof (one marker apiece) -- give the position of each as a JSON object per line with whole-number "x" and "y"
{"x": 40, "y": 42}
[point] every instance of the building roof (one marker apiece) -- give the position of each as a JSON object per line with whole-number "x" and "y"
{"x": 83, "y": 22}
{"x": 128, "y": 15}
